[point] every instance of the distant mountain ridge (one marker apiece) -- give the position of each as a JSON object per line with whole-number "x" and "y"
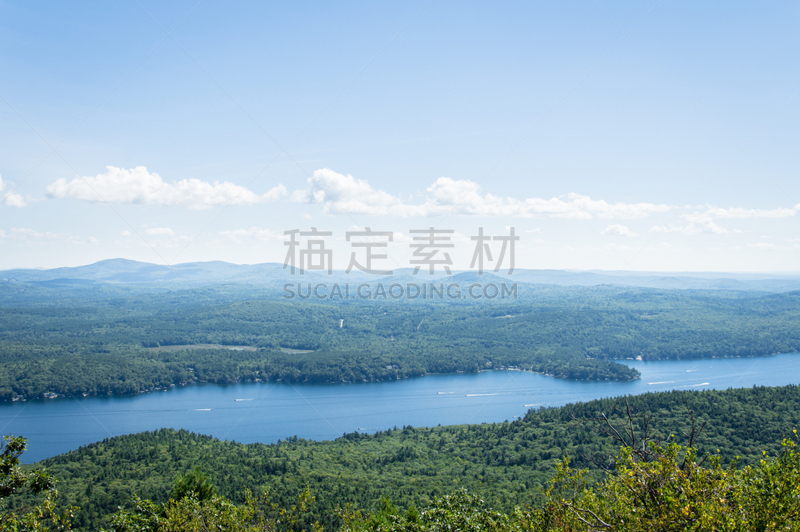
{"x": 131, "y": 272}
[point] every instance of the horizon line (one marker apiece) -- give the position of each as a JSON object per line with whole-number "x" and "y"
{"x": 454, "y": 270}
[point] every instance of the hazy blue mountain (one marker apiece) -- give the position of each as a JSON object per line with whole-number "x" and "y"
{"x": 122, "y": 271}
{"x": 192, "y": 275}
{"x": 671, "y": 280}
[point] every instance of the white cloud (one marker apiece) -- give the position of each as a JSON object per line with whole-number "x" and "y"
{"x": 464, "y": 197}
{"x": 618, "y": 247}
{"x": 536, "y": 230}
{"x": 402, "y": 238}
{"x": 252, "y": 233}
{"x": 140, "y": 187}
{"x": 31, "y": 236}
{"x": 153, "y": 236}
{"x": 9, "y": 198}
{"x": 342, "y": 194}
{"x": 738, "y": 212}
{"x": 159, "y": 231}
{"x": 776, "y": 247}
{"x": 619, "y": 230}
{"x": 704, "y": 221}
{"x": 696, "y": 225}
{"x": 149, "y": 239}
{"x": 15, "y": 200}
{"x": 345, "y": 193}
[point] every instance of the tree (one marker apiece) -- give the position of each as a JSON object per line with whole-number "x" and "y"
{"x": 36, "y": 517}
{"x": 458, "y": 512}
{"x": 191, "y": 513}
{"x": 661, "y": 486}
{"x": 195, "y": 484}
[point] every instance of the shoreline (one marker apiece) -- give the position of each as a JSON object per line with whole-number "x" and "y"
{"x": 80, "y": 395}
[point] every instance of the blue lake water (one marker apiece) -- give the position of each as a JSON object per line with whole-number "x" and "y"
{"x": 267, "y": 412}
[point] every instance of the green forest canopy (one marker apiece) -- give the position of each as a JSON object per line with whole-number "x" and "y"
{"x": 70, "y": 346}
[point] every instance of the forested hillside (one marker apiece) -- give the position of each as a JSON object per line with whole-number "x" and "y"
{"x": 506, "y": 463}
{"x": 575, "y": 333}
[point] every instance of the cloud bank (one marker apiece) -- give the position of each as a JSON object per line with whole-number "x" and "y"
{"x": 9, "y": 198}
{"x": 340, "y": 194}
{"x": 704, "y": 222}
{"x": 619, "y": 230}
{"x": 139, "y": 187}
{"x": 27, "y": 235}
{"x": 254, "y": 232}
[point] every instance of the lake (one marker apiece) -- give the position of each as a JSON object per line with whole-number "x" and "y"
{"x": 266, "y": 412}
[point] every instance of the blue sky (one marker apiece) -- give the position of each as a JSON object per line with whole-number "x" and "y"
{"x": 610, "y": 135}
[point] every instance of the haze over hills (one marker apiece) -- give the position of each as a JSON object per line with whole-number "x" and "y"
{"x": 665, "y": 280}
{"x": 129, "y": 272}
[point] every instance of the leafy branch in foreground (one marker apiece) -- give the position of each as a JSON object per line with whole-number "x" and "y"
{"x": 195, "y": 506}
{"x": 38, "y": 517}
{"x": 636, "y": 434}
{"x": 670, "y": 490}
